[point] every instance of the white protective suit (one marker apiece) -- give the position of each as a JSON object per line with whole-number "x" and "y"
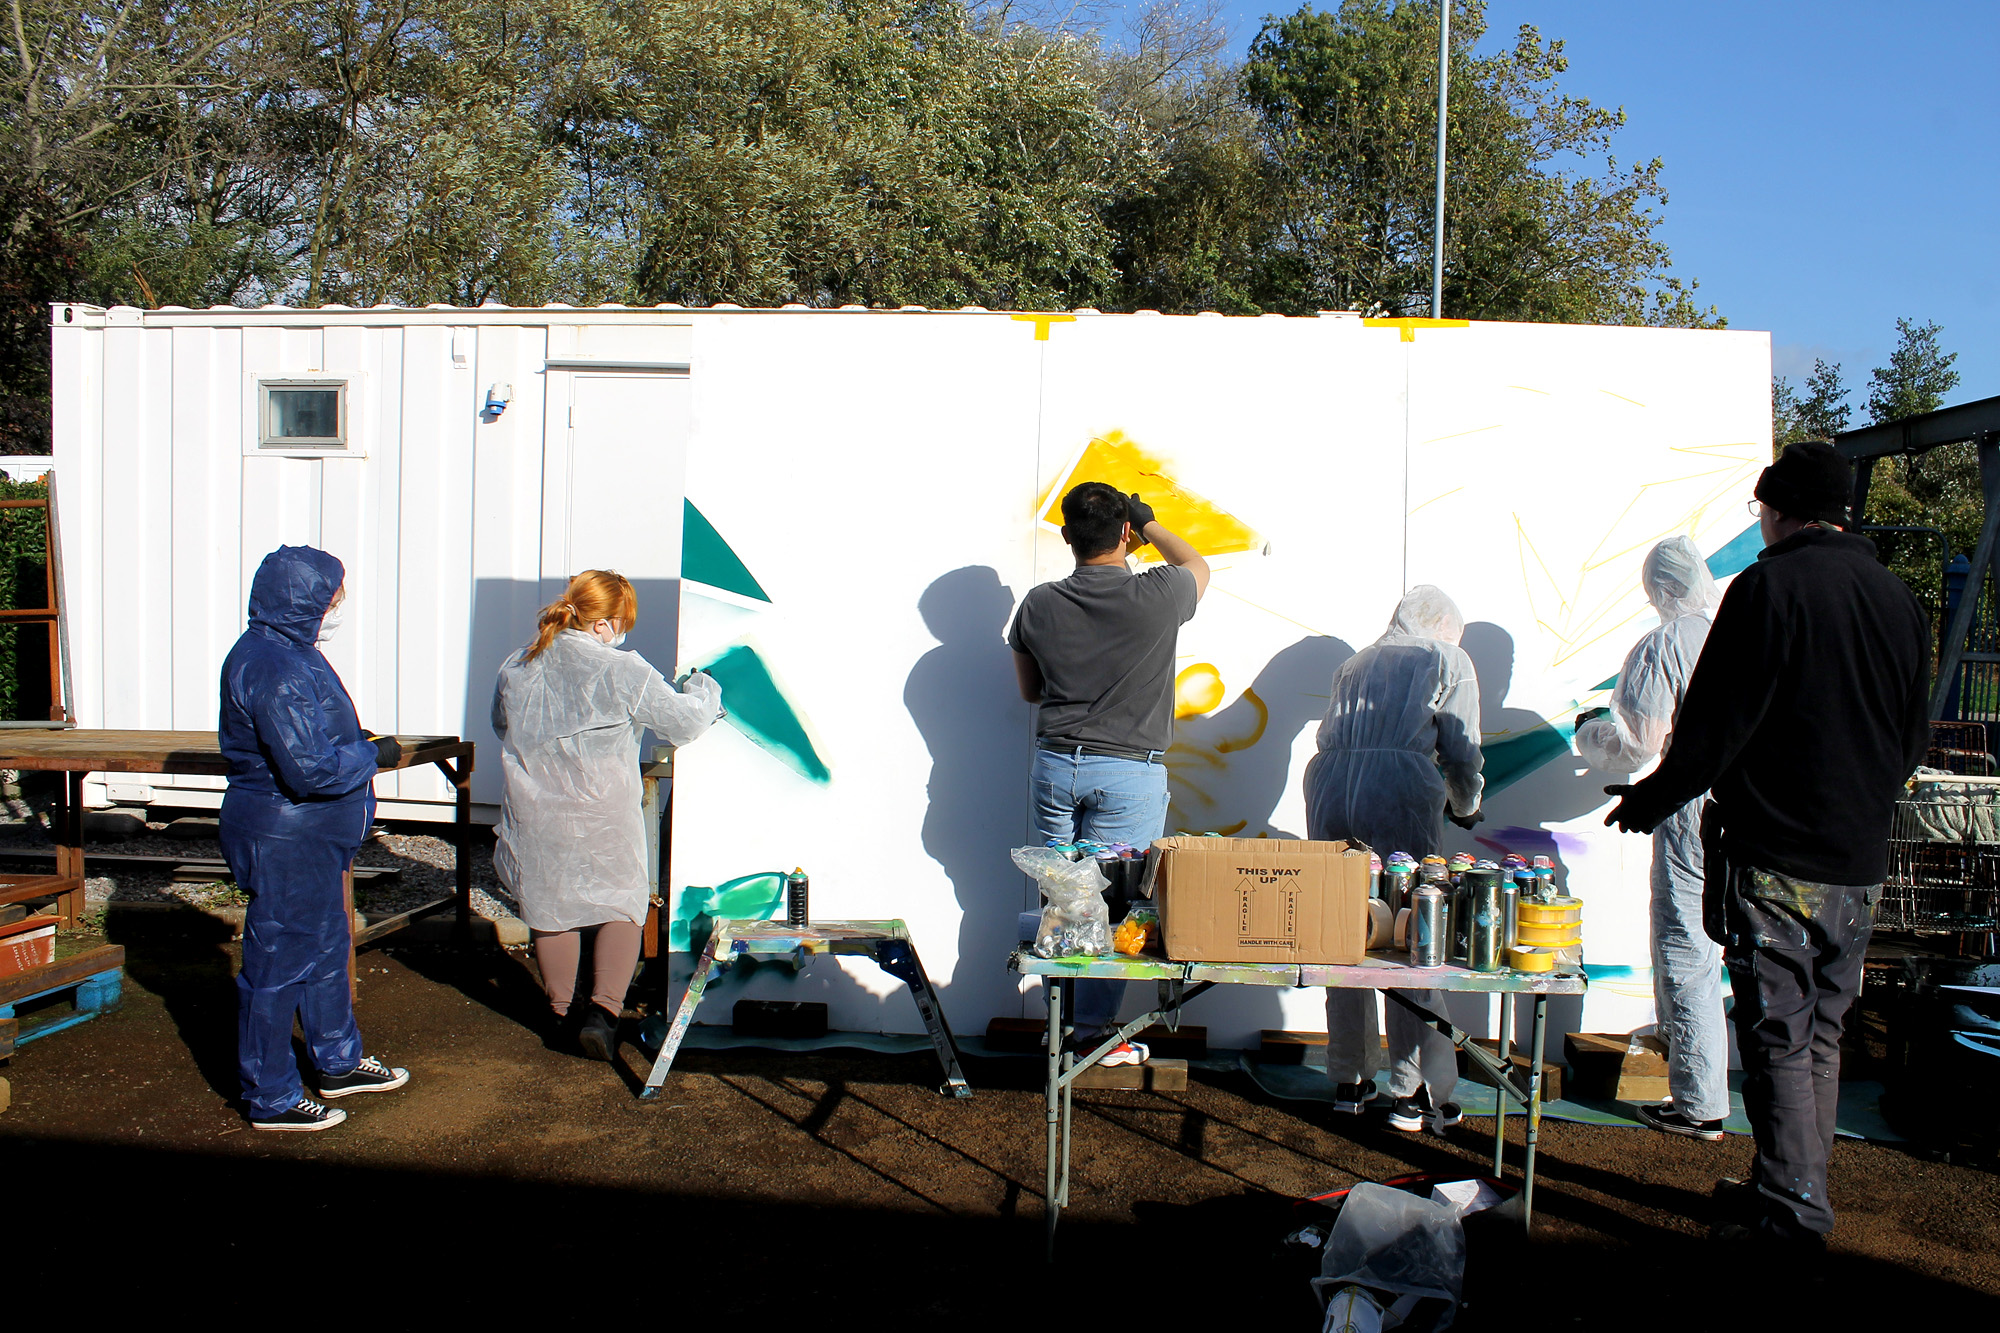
{"x": 1687, "y": 975}
{"x": 1399, "y": 743}
{"x": 572, "y": 838}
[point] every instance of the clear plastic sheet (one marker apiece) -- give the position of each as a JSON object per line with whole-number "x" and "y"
{"x": 1394, "y": 1242}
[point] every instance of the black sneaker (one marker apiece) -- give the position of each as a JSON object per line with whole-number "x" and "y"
{"x": 1669, "y": 1121}
{"x": 371, "y": 1075}
{"x": 1410, "y": 1114}
{"x": 598, "y": 1035}
{"x": 1353, "y": 1098}
{"x": 306, "y": 1116}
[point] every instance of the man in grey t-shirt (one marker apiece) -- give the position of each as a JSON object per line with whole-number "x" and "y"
{"x": 1096, "y": 651}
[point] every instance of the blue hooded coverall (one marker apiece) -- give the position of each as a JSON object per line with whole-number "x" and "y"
{"x": 299, "y": 804}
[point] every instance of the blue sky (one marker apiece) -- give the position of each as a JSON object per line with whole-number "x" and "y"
{"x": 1831, "y": 165}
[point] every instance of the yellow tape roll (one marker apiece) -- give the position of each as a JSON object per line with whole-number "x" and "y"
{"x": 1403, "y": 928}
{"x": 1550, "y": 914}
{"x": 1551, "y": 936}
{"x": 1528, "y": 959}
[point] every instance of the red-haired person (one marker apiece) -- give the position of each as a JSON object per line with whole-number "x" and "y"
{"x": 569, "y": 710}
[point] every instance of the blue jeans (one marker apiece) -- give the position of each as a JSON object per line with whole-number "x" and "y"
{"x": 1095, "y": 798}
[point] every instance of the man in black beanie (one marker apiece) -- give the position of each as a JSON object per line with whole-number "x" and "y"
{"x": 1803, "y": 718}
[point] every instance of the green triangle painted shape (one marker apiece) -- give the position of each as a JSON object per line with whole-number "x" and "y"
{"x": 1604, "y": 684}
{"x": 707, "y": 558}
{"x": 758, "y": 708}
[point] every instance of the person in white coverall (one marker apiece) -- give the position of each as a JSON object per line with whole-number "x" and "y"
{"x": 1626, "y": 738}
{"x": 570, "y": 709}
{"x": 1398, "y": 750}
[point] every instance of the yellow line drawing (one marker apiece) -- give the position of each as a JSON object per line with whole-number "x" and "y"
{"x": 1476, "y": 430}
{"x": 1434, "y": 499}
{"x": 1619, "y": 396}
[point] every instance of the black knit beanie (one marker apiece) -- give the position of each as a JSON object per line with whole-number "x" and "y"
{"x": 1809, "y": 481}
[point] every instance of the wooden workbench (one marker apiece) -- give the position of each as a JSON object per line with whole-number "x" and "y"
{"x": 79, "y": 753}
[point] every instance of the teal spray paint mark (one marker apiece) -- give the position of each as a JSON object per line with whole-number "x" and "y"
{"x": 759, "y": 709}
{"x": 747, "y": 898}
{"x": 1739, "y": 553}
{"x": 707, "y": 558}
{"x": 1507, "y": 761}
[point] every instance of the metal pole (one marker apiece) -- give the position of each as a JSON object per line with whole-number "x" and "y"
{"x": 1444, "y": 87}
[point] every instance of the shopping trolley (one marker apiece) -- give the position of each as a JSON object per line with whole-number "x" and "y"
{"x": 1944, "y": 856}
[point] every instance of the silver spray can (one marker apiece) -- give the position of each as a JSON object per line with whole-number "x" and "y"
{"x": 1458, "y": 922}
{"x": 1398, "y": 879}
{"x": 1510, "y": 902}
{"x": 1427, "y": 926}
{"x": 1486, "y": 927}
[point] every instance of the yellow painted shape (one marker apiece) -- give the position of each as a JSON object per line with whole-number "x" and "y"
{"x": 1122, "y": 462}
{"x": 1235, "y": 743}
{"x": 1042, "y": 322}
{"x": 1409, "y": 325}
{"x": 1197, "y": 690}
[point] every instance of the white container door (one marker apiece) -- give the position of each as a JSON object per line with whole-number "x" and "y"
{"x": 612, "y": 492}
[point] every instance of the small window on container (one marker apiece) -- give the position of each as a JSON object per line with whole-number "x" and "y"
{"x": 308, "y": 414}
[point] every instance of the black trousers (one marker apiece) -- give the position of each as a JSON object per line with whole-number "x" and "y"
{"x": 1794, "y": 951}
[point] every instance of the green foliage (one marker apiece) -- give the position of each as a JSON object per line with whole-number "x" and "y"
{"x": 1918, "y": 376}
{"x": 1347, "y": 103}
{"x": 1819, "y": 414}
{"x": 823, "y": 152}
{"x": 24, "y": 652}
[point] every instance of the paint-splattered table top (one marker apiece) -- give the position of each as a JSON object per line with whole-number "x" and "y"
{"x": 777, "y": 938}
{"x": 1383, "y": 971}
{"x": 75, "y": 750}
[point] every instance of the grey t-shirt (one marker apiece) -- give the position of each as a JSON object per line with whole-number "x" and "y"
{"x": 1104, "y": 639}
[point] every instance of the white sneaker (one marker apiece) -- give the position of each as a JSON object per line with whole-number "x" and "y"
{"x": 1127, "y": 1053}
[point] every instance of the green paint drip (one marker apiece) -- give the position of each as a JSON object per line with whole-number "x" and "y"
{"x": 759, "y": 709}
{"x": 748, "y": 898}
{"x": 707, "y": 558}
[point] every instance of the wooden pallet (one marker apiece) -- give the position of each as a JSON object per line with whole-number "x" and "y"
{"x": 67, "y": 891}
{"x": 93, "y": 981}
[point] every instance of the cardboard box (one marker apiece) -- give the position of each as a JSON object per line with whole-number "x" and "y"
{"x": 1614, "y": 1067}
{"x": 1262, "y": 900}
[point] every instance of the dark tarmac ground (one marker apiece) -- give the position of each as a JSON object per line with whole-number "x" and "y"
{"x": 513, "y": 1184}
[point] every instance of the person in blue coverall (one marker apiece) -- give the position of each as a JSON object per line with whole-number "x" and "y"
{"x": 299, "y": 804}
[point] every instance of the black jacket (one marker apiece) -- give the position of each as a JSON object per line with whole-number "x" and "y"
{"x": 1805, "y": 713}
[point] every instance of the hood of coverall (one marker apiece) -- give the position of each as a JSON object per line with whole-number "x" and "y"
{"x": 1427, "y": 613}
{"x": 1677, "y": 580}
{"x": 292, "y": 590}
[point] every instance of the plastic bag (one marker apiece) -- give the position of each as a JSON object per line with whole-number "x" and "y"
{"x": 1138, "y": 932}
{"x": 1074, "y": 917}
{"x": 1395, "y": 1242}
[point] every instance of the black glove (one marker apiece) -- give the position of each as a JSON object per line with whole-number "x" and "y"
{"x": 1467, "y": 821}
{"x": 1138, "y": 513}
{"x": 1590, "y": 715}
{"x": 1628, "y": 814}
{"x": 388, "y": 754}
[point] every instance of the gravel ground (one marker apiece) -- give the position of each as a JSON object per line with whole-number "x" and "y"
{"x": 427, "y": 864}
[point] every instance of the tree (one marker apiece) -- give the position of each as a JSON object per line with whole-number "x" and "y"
{"x": 1347, "y": 104}
{"x": 1820, "y": 414}
{"x": 1918, "y": 376}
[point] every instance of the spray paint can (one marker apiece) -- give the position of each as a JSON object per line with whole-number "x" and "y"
{"x": 1375, "y": 876}
{"x": 1458, "y": 923}
{"x": 1397, "y": 883}
{"x": 1485, "y": 925}
{"x": 1510, "y": 901}
{"x": 1545, "y": 884}
{"x": 797, "y": 887}
{"x": 1427, "y": 926}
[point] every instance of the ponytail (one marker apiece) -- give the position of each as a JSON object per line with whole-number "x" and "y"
{"x": 594, "y": 595}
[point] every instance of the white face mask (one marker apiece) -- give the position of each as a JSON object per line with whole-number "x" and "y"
{"x": 329, "y": 625}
